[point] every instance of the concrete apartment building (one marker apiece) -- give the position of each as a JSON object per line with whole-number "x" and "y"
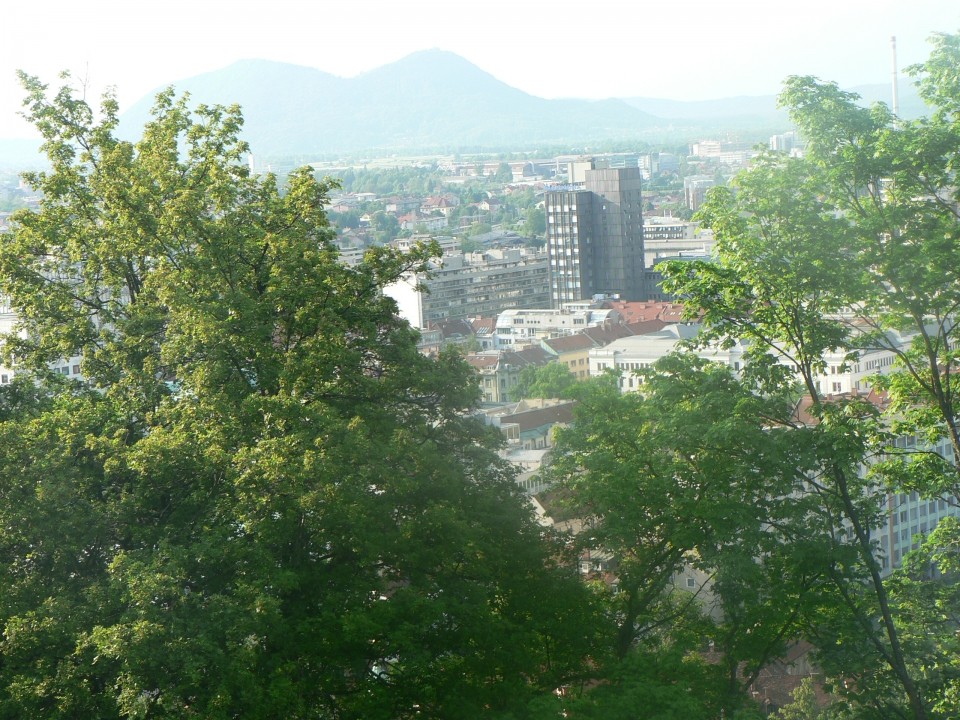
{"x": 474, "y": 285}
{"x": 498, "y": 371}
{"x": 595, "y": 234}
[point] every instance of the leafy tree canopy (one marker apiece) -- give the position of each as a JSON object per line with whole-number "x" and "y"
{"x": 259, "y": 500}
{"x": 553, "y": 380}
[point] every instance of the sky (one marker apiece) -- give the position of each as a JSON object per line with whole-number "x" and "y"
{"x": 687, "y": 50}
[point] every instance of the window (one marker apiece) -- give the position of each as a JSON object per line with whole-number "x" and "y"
{"x": 691, "y": 583}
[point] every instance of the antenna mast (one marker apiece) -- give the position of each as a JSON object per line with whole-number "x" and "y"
{"x": 896, "y": 94}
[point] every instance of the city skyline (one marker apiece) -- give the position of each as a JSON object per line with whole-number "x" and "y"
{"x": 696, "y": 51}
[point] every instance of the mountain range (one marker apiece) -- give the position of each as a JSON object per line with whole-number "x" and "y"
{"x": 431, "y": 100}
{"x": 436, "y": 101}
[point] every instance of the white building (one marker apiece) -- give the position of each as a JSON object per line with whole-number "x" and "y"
{"x": 669, "y": 237}
{"x": 69, "y": 367}
{"x": 518, "y": 327}
{"x": 636, "y": 352}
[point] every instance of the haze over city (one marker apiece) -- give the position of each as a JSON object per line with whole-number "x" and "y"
{"x": 690, "y": 51}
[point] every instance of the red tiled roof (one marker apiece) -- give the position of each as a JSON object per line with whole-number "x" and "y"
{"x": 642, "y": 327}
{"x": 482, "y": 362}
{"x": 635, "y": 311}
{"x": 484, "y": 326}
{"x": 801, "y": 412}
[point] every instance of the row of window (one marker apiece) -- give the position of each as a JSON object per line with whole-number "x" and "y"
{"x": 6, "y": 378}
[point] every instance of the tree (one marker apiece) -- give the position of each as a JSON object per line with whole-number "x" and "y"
{"x": 386, "y": 227}
{"x": 926, "y": 594}
{"x": 688, "y": 472}
{"x": 804, "y": 705}
{"x": 553, "y": 380}
{"x": 535, "y": 223}
{"x": 878, "y": 193}
{"x": 771, "y": 289}
{"x": 260, "y": 500}
{"x": 504, "y": 174}
{"x": 894, "y": 182}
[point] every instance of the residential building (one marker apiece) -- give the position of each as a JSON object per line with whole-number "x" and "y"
{"x": 668, "y": 237}
{"x": 527, "y": 326}
{"x": 636, "y": 352}
{"x": 573, "y": 351}
{"x": 528, "y": 427}
{"x": 499, "y": 370}
{"x": 69, "y": 367}
{"x": 907, "y": 517}
{"x": 473, "y": 285}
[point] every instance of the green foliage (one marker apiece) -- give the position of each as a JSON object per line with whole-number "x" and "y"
{"x": 261, "y": 501}
{"x": 504, "y": 174}
{"x": 804, "y": 705}
{"x": 535, "y": 223}
{"x": 414, "y": 181}
{"x": 478, "y": 228}
{"x": 664, "y": 684}
{"x": 842, "y": 251}
{"x": 553, "y": 380}
{"x": 689, "y": 472}
{"x": 893, "y": 180}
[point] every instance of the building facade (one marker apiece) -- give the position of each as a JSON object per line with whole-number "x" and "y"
{"x": 595, "y": 236}
{"x": 474, "y": 285}
{"x": 528, "y": 326}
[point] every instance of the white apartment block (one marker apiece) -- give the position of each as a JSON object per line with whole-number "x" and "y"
{"x": 526, "y": 326}
{"x": 69, "y": 367}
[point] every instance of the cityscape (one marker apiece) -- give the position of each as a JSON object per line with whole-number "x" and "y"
{"x": 413, "y": 394}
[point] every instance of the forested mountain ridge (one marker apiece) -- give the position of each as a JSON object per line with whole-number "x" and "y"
{"x": 436, "y": 101}
{"x": 430, "y": 100}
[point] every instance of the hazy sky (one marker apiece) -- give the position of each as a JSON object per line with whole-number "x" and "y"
{"x": 684, "y": 50}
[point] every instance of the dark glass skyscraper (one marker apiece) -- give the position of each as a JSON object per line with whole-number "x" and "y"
{"x": 595, "y": 237}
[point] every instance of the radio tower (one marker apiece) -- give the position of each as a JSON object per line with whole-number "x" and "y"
{"x": 896, "y": 94}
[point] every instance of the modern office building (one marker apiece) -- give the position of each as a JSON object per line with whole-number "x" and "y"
{"x": 595, "y": 235}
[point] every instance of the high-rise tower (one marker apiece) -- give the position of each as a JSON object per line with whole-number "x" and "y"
{"x": 595, "y": 237}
